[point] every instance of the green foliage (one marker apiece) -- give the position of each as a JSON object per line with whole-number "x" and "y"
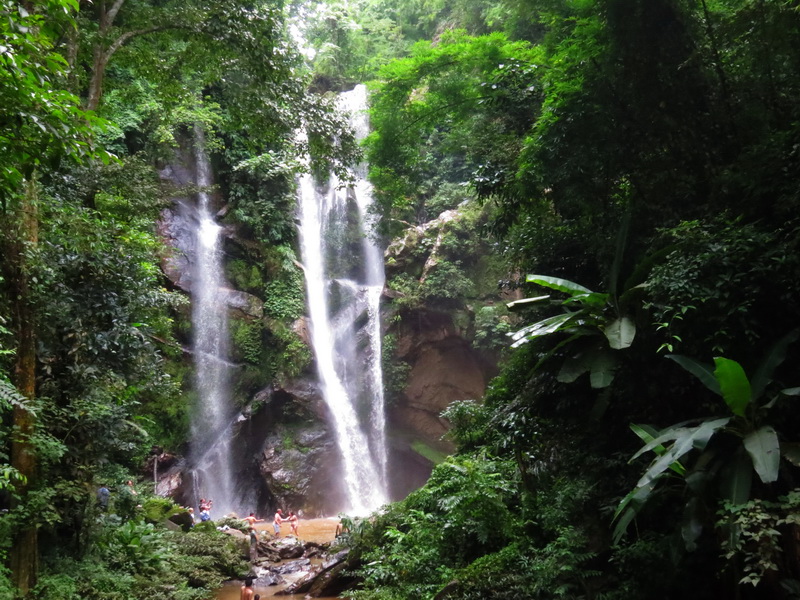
{"x": 446, "y": 281}
{"x": 468, "y": 421}
{"x": 716, "y": 276}
{"x": 246, "y": 336}
{"x": 751, "y": 423}
{"x": 492, "y": 327}
{"x": 284, "y": 298}
{"x": 395, "y": 370}
{"x": 440, "y": 95}
{"x": 41, "y": 121}
{"x": 139, "y": 561}
{"x": 753, "y": 534}
{"x": 156, "y": 509}
{"x": 462, "y": 513}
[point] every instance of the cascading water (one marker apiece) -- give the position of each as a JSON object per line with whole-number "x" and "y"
{"x": 344, "y": 281}
{"x": 212, "y": 477}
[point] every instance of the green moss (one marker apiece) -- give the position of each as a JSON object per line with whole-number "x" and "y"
{"x": 246, "y": 337}
{"x": 284, "y": 298}
{"x": 245, "y": 276}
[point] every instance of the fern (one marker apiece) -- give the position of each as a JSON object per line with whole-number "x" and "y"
{"x": 10, "y": 396}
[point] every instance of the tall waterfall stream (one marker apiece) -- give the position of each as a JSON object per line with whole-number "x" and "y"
{"x": 212, "y": 420}
{"x": 344, "y": 281}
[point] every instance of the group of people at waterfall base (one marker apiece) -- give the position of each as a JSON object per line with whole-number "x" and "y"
{"x": 251, "y": 520}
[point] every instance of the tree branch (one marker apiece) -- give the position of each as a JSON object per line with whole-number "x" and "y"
{"x": 112, "y": 13}
{"x": 128, "y": 35}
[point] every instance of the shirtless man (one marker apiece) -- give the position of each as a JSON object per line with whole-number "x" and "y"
{"x": 276, "y": 522}
{"x": 251, "y": 520}
{"x": 247, "y": 589}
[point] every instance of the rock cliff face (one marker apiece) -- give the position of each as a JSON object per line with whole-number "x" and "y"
{"x": 444, "y": 368}
{"x": 437, "y": 279}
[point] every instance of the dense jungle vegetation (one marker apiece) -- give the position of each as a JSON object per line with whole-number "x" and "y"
{"x": 633, "y": 164}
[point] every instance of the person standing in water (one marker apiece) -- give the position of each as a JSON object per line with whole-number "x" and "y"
{"x": 276, "y": 522}
{"x": 253, "y": 544}
{"x": 247, "y": 590}
{"x": 251, "y": 520}
{"x": 293, "y": 521}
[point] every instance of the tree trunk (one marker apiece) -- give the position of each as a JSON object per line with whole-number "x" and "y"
{"x": 24, "y": 555}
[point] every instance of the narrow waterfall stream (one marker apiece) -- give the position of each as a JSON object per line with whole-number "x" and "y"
{"x": 344, "y": 281}
{"x": 212, "y": 472}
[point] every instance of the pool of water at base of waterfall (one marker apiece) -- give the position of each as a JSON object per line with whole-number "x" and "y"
{"x": 311, "y": 530}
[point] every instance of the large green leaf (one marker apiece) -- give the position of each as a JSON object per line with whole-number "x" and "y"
{"x": 734, "y": 385}
{"x": 556, "y": 283}
{"x": 573, "y": 367}
{"x": 525, "y": 302}
{"x": 647, "y": 434}
{"x": 595, "y": 299}
{"x": 688, "y": 438}
{"x": 620, "y": 333}
{"x": 602, "y": 365}
{"x": 736, "y": 478}
{"x": 764, "y": 449}
{"x": 628, "y": 507}
{"x": 703, "y": 372}
{"x": 699, "y": 434}
{"x": 775, "y": 356}
{"x": 541, "y": 328}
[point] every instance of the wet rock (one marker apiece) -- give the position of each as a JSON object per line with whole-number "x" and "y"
{"x": 302, "y": 564}
{"x": 329, "y": 579}
{"x": 288, "y": 547}
{"x": 267, "y": 578}
{"x": 247, "y": 304}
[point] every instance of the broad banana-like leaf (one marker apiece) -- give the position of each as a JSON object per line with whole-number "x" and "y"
{"x": 525, "y": 302}
{"x": 647, "y": 434}
{"x": 695, "y": 437}
{"x": 573, "y": 367}
{"x": 703, "y": 372}
{"x": 737, "y": 478}
{"x": 601, "y": 369}
{"x": 764, "y": 449}
{"x": 622, "y": 524}
{"x": 703, "y": 472}
{"x": 699, "y": 434}
{"x": 540, "y": 328}
{"x": 775, "y": 356}
{"x": 620, "y": 333}
{"x": 592, "y": 299}
{"x": 734, "y": 385}
{"x": 628, "y": 507}
{"x": 556, "y": 283}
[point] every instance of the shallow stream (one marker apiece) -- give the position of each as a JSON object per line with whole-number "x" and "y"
{"x": 311, "y": 530}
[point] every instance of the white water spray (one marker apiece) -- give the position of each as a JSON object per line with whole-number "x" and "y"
{"x": 344, "y": 281}
{"x": 212, "y": 419}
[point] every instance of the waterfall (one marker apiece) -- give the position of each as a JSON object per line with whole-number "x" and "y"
{"x": 344, "y": 281}
{"x": 212, "y": 418}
